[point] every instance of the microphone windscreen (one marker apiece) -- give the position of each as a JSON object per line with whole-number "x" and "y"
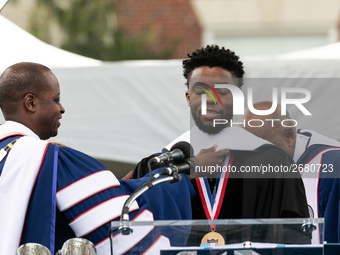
{"x": 195, "y": 162}
{"x": 185, "y": 147}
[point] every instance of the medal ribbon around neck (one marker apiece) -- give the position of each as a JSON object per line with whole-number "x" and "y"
{"x": 211, "y": 205}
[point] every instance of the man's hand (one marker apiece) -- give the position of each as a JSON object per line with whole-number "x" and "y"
{"x": 128, "y": 176}
{"x": 210, "y": 157}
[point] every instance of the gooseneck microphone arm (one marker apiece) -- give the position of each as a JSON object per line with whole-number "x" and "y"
{"x": 140, "y": 191}
{"x": 181, "y": 151}
{"x": 174, "y": 174}
{"x": 125, "y": 228}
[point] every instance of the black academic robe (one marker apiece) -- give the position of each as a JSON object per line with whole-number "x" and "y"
{"x": 257, "y": 195}
{"x": 254, "y": 195}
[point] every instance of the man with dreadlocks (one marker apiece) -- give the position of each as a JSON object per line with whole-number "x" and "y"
{"x": 232, "y": 194}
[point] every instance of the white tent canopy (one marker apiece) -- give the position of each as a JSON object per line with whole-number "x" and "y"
{"x": 2, "y": 4}
{"x": 317, "y": 70}
{"x": 327, "y": 52}
{"x": 125, "y": 111}
{"x": 19, "y": 46}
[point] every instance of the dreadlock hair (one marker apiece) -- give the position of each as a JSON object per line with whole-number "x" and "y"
{"x": 213, "y": 56}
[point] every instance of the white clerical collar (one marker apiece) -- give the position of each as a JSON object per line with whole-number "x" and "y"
{"x": 313, "y": 138}
{"x": 231, "y": 138}
{"x": 317, "y": 138}
{"x": 300, "y": 146}
{"x": 11, "y": 127}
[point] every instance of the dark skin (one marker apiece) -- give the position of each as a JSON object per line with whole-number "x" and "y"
{"x": 210, "y": 76}
{"x": 40, "y": 114}
{"x": 205, "y": 74}
{"x": 284, "y": 137}
{"x": 208, "y": 157}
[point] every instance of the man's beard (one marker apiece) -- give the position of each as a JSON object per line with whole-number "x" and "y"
{"x": 210, "y": 129}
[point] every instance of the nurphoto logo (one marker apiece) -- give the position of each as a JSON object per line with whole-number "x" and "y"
{"x": 238, "y": 103}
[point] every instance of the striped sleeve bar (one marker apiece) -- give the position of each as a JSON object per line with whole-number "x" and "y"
{"x": 162, "y": 242}
{"x": 99, "y": 215}
{"x": 84, "y": 188}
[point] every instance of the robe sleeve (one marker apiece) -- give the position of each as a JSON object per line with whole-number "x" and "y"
{"x": 89, "y": 197}
{"x": 279, "y": 194}
{"x": 329, "y": 195}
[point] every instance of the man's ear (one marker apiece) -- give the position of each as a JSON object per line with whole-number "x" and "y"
{"x": 30, "y": 102}
{"x": 289, "y": 135}
{"x": 187, "y": 96}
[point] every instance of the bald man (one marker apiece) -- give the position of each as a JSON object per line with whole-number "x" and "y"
{"x": 317, "y": 157}
{"x": 273, "y": 131}
{"x": 49, "y": 194}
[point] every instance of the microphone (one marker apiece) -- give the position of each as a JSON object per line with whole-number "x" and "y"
{"x": 188, "y": 167}
{"x": 173, "y": 172}
{"x": 178, "y": 152}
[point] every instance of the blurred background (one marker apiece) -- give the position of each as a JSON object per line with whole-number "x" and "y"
{"x": 119, "y": 61}
{"x": 167, "y": 29}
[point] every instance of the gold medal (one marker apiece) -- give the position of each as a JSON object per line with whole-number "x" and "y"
{"x": 213, "y": 239}
{"x": 212, "y": 204}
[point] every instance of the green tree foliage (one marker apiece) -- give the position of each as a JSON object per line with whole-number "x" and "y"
{"x": 88, "y": 28}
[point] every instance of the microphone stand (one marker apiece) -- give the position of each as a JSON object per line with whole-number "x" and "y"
{"x": 125, "y": 225}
